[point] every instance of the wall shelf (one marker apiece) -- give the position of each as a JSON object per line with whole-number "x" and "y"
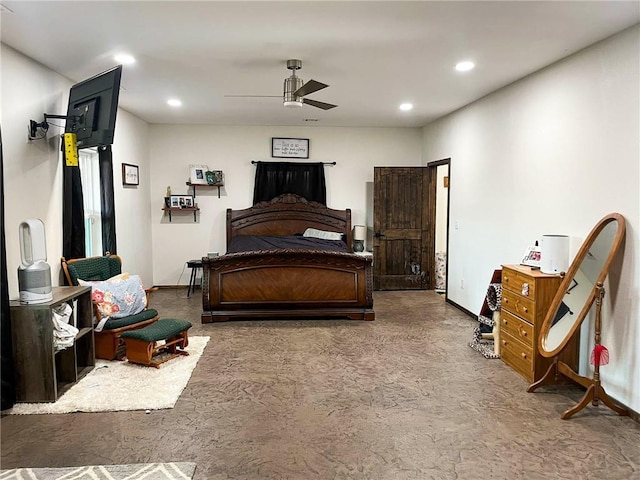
{"x": 195, "y": 210}
{"x": 194, "y": 185}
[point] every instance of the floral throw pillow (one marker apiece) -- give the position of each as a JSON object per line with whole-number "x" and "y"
{"x": 119, "y": 296}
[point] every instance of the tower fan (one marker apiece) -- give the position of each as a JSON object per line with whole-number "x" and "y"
{"x": 34, "y": 274}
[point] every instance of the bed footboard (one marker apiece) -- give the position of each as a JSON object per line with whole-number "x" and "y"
{"x": 287, "y": 284}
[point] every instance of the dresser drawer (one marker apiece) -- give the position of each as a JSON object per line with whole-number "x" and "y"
{"x": 517, "y": 355}
{"x": 518, "y": 283}
{"x": 521, "y": 306}
{"x": 516, "y": 327}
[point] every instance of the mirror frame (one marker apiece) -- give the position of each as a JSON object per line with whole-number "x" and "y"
{"x": 566, "y": 282}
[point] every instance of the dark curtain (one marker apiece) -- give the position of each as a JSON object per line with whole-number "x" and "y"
{"x": 8, "y": 391}
{"x": 277, "y": 178}
{"x": 73, "y": 243}
{"x": 107, "y": 202}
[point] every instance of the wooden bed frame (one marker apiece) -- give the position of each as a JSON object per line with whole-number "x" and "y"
{"x": 287, "y": 283}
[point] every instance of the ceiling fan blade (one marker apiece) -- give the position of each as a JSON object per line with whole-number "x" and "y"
{"x": 254, "y": 96}
{"x": 315, "y": 103}
{"x": 309, "y": 87}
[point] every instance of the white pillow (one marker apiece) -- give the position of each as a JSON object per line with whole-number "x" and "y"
{"x": 315, "y": 233}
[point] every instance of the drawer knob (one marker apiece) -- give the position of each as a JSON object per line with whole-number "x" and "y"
{"x": 525, "y": 310}
{"x": 504, "y": 342}
{"x": 505, "y": 321}
{"x": 524, "y": 334}
{"x": 524, "y": 355}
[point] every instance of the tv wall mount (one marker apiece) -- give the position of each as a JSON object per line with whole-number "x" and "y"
{"x": 78, "y": 123}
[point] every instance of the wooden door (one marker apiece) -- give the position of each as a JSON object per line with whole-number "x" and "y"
{"x": 403, "y": 238}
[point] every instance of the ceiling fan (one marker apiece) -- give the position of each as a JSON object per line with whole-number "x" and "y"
{"x": 295, "y": 90}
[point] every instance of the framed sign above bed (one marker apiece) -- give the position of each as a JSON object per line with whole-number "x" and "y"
{"x": 290, "y": 147}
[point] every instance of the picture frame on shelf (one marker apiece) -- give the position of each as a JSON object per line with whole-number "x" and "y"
{"x": 130, "y": 174}
{"x": 531, "y": 257}
{"x": 197, "y": 174}
{"x": 214, "y": 177}
{"x": 289, "y": 147}
{"x": 181, "y": 201}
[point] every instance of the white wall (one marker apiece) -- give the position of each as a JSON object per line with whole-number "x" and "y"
{"x": 133, "y": 203}
{"x": 33, "y": 170}
{"x": 551, "y": 154}
{"x": 231, "y": 149}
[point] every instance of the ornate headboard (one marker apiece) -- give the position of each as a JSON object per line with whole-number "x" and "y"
{"x": 287, "y": 215}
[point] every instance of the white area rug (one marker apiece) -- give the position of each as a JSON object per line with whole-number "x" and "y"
{"x": 117, "y": 385}
{"x": 140, "y": 471}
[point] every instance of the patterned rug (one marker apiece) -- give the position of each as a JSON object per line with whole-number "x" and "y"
{"x": 138, "y": 471}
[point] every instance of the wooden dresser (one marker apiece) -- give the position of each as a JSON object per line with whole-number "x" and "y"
{"x": 526, "y": 296}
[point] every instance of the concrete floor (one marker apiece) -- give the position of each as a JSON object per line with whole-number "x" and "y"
{"x": 403, "y": 397}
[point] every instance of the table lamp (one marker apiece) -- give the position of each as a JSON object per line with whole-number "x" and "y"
{"x": 359, "y": 235}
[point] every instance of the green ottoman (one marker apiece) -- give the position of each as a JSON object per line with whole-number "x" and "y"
{"x": 142, "y": 344}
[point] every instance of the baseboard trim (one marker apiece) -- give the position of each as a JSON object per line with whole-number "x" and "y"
{"x": 461, "y": 308}
{"x": 633, "y": 415}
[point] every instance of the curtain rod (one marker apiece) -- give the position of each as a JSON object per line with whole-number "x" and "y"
{"x": 253, "y": 162}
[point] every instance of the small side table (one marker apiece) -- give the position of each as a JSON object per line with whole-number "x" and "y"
{"x": 365, "y": 254}
{"x": 42, "y": 373}
{"x": 194, "y": 265}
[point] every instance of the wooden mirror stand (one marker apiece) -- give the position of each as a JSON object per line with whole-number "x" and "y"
{"x": 582, "y": 286}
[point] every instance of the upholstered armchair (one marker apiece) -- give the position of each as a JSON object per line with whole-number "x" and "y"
{"x": 101, "y": 269}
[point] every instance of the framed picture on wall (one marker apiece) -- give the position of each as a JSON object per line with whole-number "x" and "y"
{"x": 290, "y": 147}
{"x": 130, "y": 174}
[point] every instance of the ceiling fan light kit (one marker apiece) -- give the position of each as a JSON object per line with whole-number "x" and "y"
{"x": 295, "y": 89}
{"x": 292, "y": 103}
{"x": 292, "y": 84}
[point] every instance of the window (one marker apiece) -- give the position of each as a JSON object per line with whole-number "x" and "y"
{"x": 90, "y": 177}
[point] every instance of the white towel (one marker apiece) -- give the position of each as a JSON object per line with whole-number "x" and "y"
{"x": 64, "y": 334}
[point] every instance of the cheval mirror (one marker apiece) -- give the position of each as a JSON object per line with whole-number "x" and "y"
{"x": 581, "y": 287}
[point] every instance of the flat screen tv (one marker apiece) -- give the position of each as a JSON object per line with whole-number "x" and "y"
{"x": 93, "y": 105}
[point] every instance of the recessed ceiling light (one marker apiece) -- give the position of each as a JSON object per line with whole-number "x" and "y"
{"x": 465, "y": 66}
{"x": 174, "y": 102}
{"x": 124, "y": 58}
{"x": 405, "y": 107}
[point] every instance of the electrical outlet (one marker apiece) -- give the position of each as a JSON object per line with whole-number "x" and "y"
{"x": 457, "y": 225}
{"x": 461, "y": 284}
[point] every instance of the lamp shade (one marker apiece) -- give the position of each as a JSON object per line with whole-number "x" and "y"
{"x": 359, "y": 232}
